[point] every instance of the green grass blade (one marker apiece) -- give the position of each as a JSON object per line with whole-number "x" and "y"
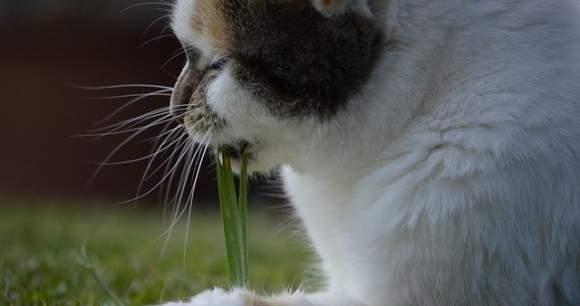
{"x": 84, "y": 261}
{"x": 243, "y": 206}
{"x": 231, "y": 221}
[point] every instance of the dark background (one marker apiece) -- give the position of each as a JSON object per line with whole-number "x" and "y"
{"x": 47, "y": 45}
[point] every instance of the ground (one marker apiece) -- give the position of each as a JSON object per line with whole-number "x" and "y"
{"x": 55, "y": 256}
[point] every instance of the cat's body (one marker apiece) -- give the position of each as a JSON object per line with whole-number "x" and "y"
{"x": 451, "y": 176}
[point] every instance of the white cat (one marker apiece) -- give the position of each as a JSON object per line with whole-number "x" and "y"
{"x": 431, "y": 147}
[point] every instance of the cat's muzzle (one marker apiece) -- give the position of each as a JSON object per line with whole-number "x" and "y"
{"x": 189, "y": 105}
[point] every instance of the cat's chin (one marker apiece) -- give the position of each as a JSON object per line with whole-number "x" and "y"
{"x": 255, "y": 166}
{"x": 254, "y": 154}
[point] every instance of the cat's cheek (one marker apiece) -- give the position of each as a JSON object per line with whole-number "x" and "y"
{"x": 263, "y": 162}
{"x": 244, "y": 115}
{"x": 227, "y": 98}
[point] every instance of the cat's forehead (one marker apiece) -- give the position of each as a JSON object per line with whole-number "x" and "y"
{"x": 211, "y": 25}
{"x": 199, "y": 23}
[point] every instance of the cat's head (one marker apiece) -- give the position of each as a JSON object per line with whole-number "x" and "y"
{"x": 271, "y": 73}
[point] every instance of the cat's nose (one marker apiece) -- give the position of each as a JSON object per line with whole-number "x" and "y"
{"x": 179, "y": 102}
{"x": 181, "y": 95}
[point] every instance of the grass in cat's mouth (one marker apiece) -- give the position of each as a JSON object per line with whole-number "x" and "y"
{"x": 235, "y": 151}
{"x": 234, "y": 208}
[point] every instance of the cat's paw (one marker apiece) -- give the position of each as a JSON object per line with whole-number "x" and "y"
{"x": 218, "y": 297}
{"x": 214, "y": 297}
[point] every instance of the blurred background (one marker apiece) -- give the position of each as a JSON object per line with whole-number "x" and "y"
{"x": 62, "y": 236}
{"x": 47, "y": 46}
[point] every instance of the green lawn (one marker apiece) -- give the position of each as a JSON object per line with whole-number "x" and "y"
{"x": 68, "y": 257}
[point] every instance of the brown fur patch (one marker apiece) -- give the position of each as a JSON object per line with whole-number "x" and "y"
{"x": 209, "y": 21}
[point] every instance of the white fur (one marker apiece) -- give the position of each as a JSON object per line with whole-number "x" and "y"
{"x": 214, "y": 297}
{"x": 453, "y": 178}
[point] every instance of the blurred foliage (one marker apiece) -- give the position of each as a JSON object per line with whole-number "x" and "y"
{"x": 40, "y": 251}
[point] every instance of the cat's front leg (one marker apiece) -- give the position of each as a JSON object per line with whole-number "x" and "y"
{"x": 238, "y": 297}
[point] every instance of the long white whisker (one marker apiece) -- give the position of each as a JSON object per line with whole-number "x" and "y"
{"x": 176, "y": 209}
{"x": 118, "y": 131}
{"x": 158, "y": 184}
{"x": 161, "y": 112}
{"x": 155, "y": 22}
{"x": 120, "y": 86}
{"x": 136, "y": 160}
{"x": 167, "y": 162}
{"x": 160, "y": 37}
{"x": 125, "y": 142}
{"x": 156, "y": 150}
{"x": 158, "y": 93}
{"x": 165, "y": 119}
{"x": 183, "y": 185}
{"x": 190, "y": 202}
{"x": 164, "y": 10}
{"x": 181, "y": 52}
{"x": 167, "y": 27}
{"x": 128, "y": 104}
{"x": 162, "y": 134}
{"x": 179, "y": 212}
{"x": 169, "y": 184}
{"x": 146, "y": 4}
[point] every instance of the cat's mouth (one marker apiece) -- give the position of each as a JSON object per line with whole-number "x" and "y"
{"x": 237, "y": 151}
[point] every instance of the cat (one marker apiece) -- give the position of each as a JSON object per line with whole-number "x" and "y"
{"x": 431, "y": 148}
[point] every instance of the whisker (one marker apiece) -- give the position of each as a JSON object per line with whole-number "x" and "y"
{"x": 158, "y": 184}
{"x": 161, "y": 135}
{"x": 169, "y": 184}
{"x": 164, "y": 118}
{"x": 177, "y": 199}
{"x": 167, "y": 171}
{"x": 130, "y": 7}
{"x": 177, "y": 203}
{"x": 160, "y": 37}
{"x": 155, "y": 22}
{"x": 119, "y": 86}
{"x": 164, "y": 10}
{"x": 178, "y": 213}
{"x": 157, "y": 93}
{"x": 190, "y": 203}
{"x": 199, "y": 148}
{"x": 160, "y": 112}
{"x": 125, "y": 142}
{"x": 127, "y": 105}
{"x": 167, "y": 27}
{"x": 136, "y": 160}
{"x": 167, "y": 162}
{"x": 156, "y": 150}
{"x": 179, "y": 53}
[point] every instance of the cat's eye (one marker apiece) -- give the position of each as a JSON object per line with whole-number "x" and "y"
{"x": 217, "y": 64}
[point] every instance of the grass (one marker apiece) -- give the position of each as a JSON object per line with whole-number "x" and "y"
{"x": 234, "y": 215}
{"x": 69, "y": 257}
